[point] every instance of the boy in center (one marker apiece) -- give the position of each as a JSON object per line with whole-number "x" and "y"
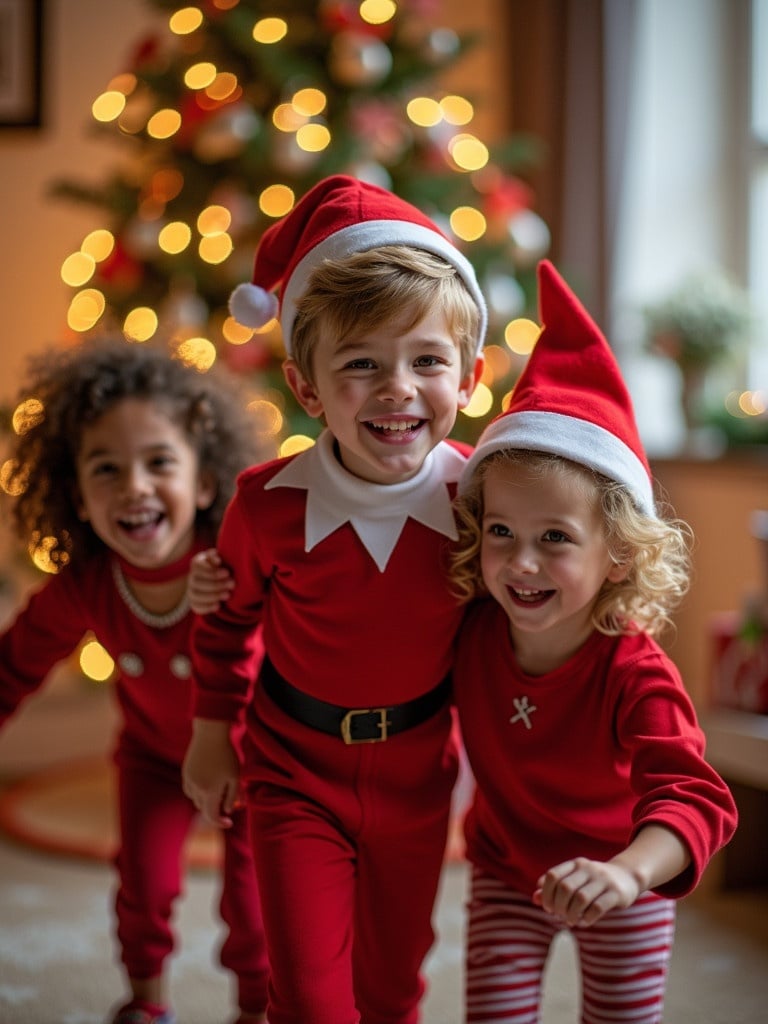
{"x": 340, "y": 555}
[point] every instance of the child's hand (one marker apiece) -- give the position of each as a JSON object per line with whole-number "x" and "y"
{"x": 210, "y": 583}
{"x": 582, "y": 891}
{"x": 211, "y": 772}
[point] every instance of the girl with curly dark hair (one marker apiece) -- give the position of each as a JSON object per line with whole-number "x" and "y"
{"x": 124, "y": 462}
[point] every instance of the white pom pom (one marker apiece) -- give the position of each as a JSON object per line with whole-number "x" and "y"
{"x": 252, "y": 306}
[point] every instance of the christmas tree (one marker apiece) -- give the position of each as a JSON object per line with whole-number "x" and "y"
{"x": 228, "y": 116}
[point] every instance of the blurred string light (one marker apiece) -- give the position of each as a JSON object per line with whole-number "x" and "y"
{"x": 41, "y": 551}
{"x": 295, "y": 444}
{"x": 12, "y": 482}
{"x": 744, "y": 404}
{"x": 521, "y": 335}
{"x": 377, "y": 12}
{"x": 270, "y": 30}
{"x": 185, "y": 21}
{"x": 140, "y": 324}
{"x": 95, "y": 663}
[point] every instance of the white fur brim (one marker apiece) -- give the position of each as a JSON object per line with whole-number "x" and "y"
{"x": 575, "y": 439}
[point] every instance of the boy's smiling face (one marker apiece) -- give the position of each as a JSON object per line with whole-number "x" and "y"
{"x": 389, "y": 396}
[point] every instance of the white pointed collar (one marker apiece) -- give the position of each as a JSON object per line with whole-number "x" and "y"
{"x": 376, "y": 512}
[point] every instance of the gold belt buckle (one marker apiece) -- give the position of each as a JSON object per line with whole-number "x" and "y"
{"x": 346, "y": 724}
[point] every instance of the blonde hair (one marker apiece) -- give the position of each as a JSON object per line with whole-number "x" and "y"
{"x": 656, "y": 550}
{"x": 395, "y": 282}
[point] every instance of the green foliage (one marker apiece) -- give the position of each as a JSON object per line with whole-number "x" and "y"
{"x": 700, "y": 322}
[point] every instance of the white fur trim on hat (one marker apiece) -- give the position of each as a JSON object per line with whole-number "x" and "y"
{"x": 372, "y": 234}
{"x": 578, "y": 440}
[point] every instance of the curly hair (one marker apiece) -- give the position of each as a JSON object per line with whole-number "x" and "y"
{"x": 657, "y": 550}
{"x": 391, "y": 283}
{"x": 68, "y": 389}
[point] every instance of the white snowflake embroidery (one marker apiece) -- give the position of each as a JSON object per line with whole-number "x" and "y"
{"x": 524, "y": 711}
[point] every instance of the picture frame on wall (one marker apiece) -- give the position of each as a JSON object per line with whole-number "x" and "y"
{"x": 21, "y": 58}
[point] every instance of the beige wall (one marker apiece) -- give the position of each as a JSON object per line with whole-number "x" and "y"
{"x": 717, "y": 499}
{"x": 86, "y": 43}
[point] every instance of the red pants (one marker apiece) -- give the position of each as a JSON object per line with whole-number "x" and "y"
{"x": 348, "y": 843}
{"x": 155, "y": 820}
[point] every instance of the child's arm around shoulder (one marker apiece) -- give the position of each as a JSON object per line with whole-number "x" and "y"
{"x": 210, "y": 583}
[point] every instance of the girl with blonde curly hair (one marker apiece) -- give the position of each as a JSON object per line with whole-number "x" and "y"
{"x": 594, "y": 807}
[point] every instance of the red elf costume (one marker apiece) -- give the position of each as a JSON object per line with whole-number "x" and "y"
{"x": 349, "y": 806}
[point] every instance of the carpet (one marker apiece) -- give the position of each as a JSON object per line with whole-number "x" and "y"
{"x": 69, "y": 810}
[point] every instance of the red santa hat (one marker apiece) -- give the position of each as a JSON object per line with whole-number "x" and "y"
{"x": 571, "y": 399}
{"x": 339, "y": 216}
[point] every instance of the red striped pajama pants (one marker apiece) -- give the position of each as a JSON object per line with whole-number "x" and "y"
{"x": 624, "y": 958}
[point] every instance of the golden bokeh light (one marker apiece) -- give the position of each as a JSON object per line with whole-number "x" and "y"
{"x": 467, "y": 223}
{"x": 109, "y": 106}
{"x": 140, "y": 324}
{"x": 267, "y": 417}
{"x": 27, "y": 414}
{"x": 95, "y": 662}
{"x": 424, "y": 111}
{"x": 235, "y": 333}
{"x": 175, "y": 237}
{"x": 468, "y": 152}
{"x": 200, "y": 76}
{"x": 287, "y": 118}
{"x": 185, "y": 20}
{"x": 11, "y": 481}
{"x": 377, "y": 12}
{"x": 521, "y": 335}
{"x": 498, "y": 363}
{"x": 295, "y": 443}
{"x": 223, "y": 86}
{"x": 309, "y": 102}
{"x": 85, "y": 309}
{"x": 456, "y": 110}
{"x": 164, "y": 123}
{"x": 270, "y": 30}
{"x": 751, "y": 403}
{"x": 214, "y": 220}
{"x": 480, "y": 403}
{"x": 197, "y": 352}
{"x": 276, "y": 200}
{"x": 40, "y": 551}
{"x": 313, "y": 138}
{"x": 98, "y": 244}
{"x": 215, "y": 249}
{"x": 77, "y": 269}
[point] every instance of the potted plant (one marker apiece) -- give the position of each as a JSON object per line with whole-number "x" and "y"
{"x": 697, "y": 325}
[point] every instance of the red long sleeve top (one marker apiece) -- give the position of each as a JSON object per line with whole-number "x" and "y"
{"x": 341, "y": 623}
{"x": 577, "y": 761}
{"x": 153, "y": 684}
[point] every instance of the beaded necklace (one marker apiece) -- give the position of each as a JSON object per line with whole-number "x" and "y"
{"x": 153, "y": 619}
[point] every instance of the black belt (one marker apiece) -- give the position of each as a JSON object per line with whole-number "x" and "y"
{"x": 353, "y": 725}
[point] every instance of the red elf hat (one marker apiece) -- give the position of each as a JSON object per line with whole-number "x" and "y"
{"x": 571, "y": 399}
{"x": 338, "y": 216}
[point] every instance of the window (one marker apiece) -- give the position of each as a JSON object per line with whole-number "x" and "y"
{"x": 757, "y": 193}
